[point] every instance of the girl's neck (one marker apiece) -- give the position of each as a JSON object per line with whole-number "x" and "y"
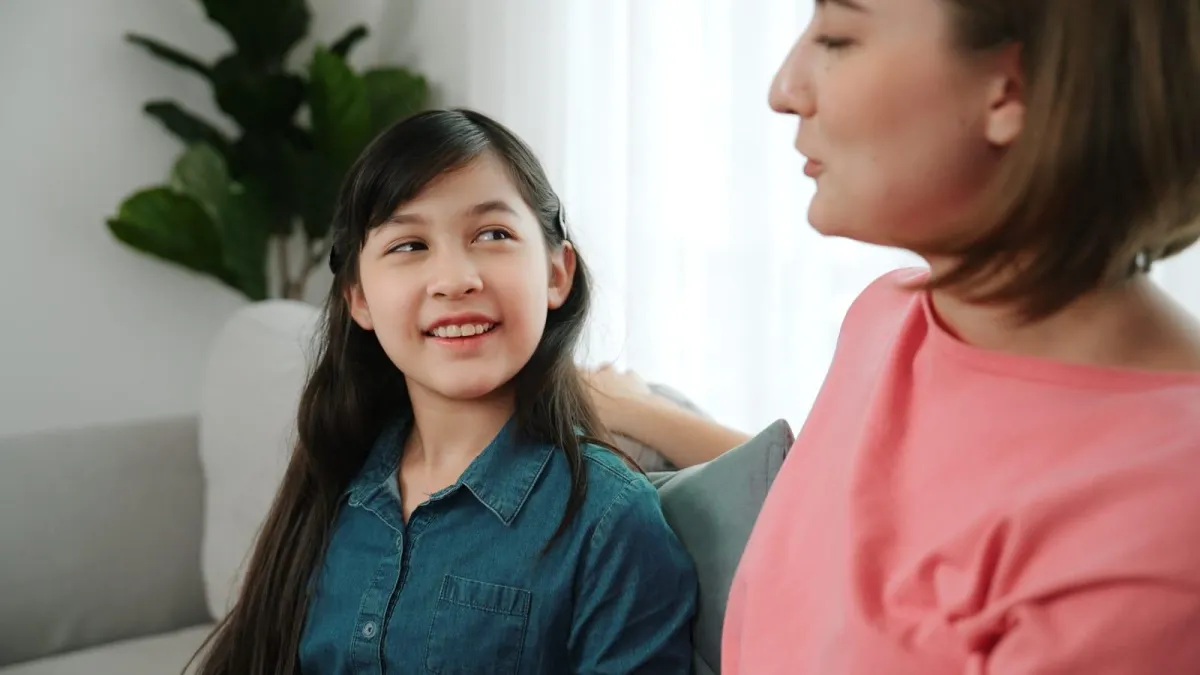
{"x": 1134, "y": 325}
{"x": 450, "y": 433}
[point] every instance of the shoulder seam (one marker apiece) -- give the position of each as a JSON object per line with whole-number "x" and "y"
{"x": 602, "y": 522}
{"x": 626, "y": 479}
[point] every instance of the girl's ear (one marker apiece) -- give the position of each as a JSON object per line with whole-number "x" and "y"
{"x": 562, "y": 274}
{"x": 358, "y": 307}
{"x": 1006, "y": 99}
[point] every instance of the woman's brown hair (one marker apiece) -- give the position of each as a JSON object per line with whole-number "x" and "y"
{"x": 1105, "y": 178}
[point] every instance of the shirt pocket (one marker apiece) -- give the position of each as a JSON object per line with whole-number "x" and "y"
{"x": 477, "y": 627}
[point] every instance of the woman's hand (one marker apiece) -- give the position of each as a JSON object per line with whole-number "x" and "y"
{"x": 614, "y": 392}
{"x": 628, "y": 407}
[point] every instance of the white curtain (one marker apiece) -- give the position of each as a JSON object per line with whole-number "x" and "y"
{"x": 682, "y": 186}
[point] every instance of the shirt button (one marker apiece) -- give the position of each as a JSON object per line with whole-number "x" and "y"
{"x": 368, "y": 630}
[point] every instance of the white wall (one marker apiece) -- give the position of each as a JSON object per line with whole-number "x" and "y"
{"x": 478, "y": 53}
{"x": 91, "y": 331}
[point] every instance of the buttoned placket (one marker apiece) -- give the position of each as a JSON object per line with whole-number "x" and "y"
{"x": 379, "y": 600}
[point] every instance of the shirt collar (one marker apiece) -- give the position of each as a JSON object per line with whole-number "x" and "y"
{"x": 501, "y": 478}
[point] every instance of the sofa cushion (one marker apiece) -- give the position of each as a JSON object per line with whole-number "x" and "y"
{"x": 163, "y": 654}
{"x": 102, "y": 536}
{"x": 712, "y": 507}
{"x": 251, "y": 389}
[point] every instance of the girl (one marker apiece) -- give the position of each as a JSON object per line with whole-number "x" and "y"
{"x": 445, "y": 510}
{"x": 1001, "y": 475}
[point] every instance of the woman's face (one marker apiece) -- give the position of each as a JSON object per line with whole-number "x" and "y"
{"x": 901, "y": 128}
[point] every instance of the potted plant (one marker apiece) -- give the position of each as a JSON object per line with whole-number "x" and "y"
{"x": 230, "y": 198}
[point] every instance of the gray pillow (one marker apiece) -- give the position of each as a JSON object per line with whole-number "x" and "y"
{"x": 712, "y": 508}
{"x": 647, "y": 457}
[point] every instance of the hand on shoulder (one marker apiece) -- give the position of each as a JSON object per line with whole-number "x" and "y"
{"x": 614, "y": 392}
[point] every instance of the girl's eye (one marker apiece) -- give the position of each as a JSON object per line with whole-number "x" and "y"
{"x": 407, "y": 247}
{"x": 832, "y": 43}
{"x": 494, "y": 234}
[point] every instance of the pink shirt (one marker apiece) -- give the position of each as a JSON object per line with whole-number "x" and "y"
{"x": 952, "y": 511}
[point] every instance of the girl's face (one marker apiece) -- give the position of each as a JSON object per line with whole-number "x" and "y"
{"x": 902, "y": 130}
{"x": 457, "y": 283}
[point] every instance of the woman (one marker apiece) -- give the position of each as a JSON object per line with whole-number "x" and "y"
{"x": 1001, "y": 474}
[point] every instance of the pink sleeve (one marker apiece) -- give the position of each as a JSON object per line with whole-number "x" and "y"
{"x": 1132, "y": 627}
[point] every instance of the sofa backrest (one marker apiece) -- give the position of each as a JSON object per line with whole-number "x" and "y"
{"x": 252, "y": 383}
{"x": 100, "y": 535}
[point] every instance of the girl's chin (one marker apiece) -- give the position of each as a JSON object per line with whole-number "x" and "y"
{"x": 474, "y": 390}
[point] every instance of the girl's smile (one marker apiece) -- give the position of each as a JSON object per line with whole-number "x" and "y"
{"x": 464, "y": 333}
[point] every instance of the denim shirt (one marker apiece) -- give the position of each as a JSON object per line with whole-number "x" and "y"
{"x": 462, "y": 588}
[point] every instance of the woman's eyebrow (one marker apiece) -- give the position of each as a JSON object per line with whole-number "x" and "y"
{"x": 852, "y": 5}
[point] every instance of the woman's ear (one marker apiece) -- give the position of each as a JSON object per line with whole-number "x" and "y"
{"x": 1006, "y": 99}
{"x": 358, "y": 307}
{"x": 562, "y": 274}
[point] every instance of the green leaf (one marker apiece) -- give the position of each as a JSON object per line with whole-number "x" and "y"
{"x": 341, "y": 110}
{"x": 259, "y": 100}
{"x": 245, "y": 234}
{"x": 186, "y": 126}
{"x": 263, "y": 30}
{"x": 200, "y": 173}
{"x": 173, "y": 227}
{"x": 394, "y": 94}
{"x": 343, "y": 45}
{"x": 323, "y": 182}
{"x": 342, "y": 126}
{"x": 271, "y": 166}
{"x": 169, "y": 54}
{"x": 243, "y": 225}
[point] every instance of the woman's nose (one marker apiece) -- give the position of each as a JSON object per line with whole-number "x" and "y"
{"x": 791, "y": 90}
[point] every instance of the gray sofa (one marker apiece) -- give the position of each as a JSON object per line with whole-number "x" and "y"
{"x": 122, "y": 543}
{"x": 101, "y": 531}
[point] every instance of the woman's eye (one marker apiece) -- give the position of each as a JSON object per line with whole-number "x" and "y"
{"x": 495, "y": 234}
{"x": 832, "y": 43}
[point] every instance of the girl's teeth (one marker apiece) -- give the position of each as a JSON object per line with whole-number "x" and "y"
{"x": 465, "y": 330}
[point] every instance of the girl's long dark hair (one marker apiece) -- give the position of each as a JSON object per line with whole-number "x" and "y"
{"x": 353, "y": 389}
